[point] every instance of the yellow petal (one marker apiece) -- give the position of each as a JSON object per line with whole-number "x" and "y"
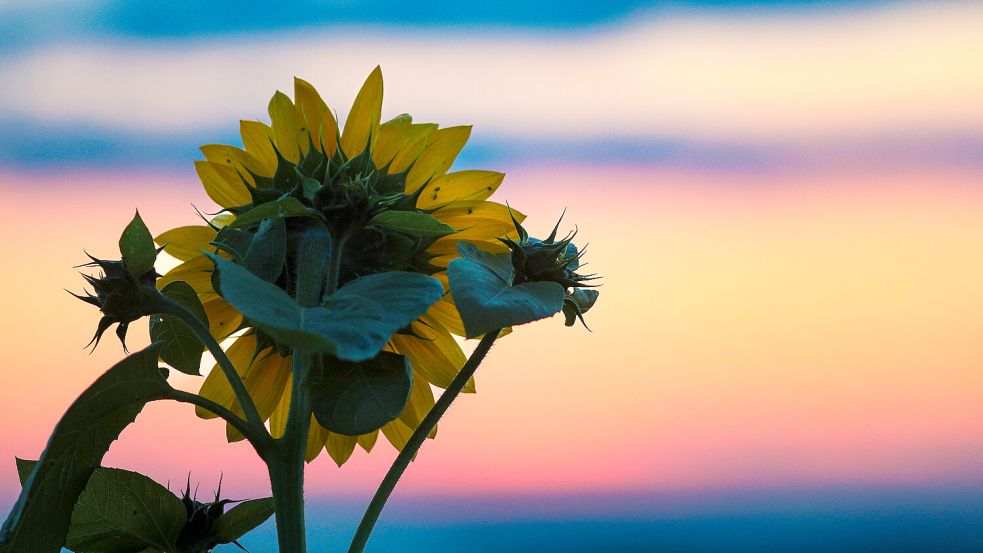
{"x": 420, "y": 403}
{"x": 223, "y": 185}
{"x": 278, "y": 418}
{"x": 216, "y": 387}
{"x": 443, "y": 145}
{"x": 185, "y": 243}
{"x": 340, "y": 447}
{"x": 437, "y": 358}
{"x": 239, "y": 160}
{"x": 258, "y": 140}
{"x": 197, "y": 272}
{"x": 443, "y": 314}
{"x": 223, "y": 319}
{"x": 313, "y": 111}
{"x": 289, "y": 130}
{"x": 412, "y": 147}
{"x": 393, "y": 135}
{"x": 461, "y": 185}
{"x": 315, "y": 440}
{"x": 265, "y": 380}
{"x": 397, "y": 433}
{"x": 448, "y": 245}
{"x": 363, "y": 119}
{"x": 367, "y": 441}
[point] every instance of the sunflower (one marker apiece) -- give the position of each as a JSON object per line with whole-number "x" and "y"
{"x": 398, "y": 156}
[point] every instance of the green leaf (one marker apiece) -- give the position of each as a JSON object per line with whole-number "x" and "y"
{"x": 358, "y": 398}
{"x": 286, "y": 206}
{"x": 137, "y": 247}
{"x": 39, "y": 520}
{"x": 233, "y": 241}
{"x": 487, "y": 301}
{"x": 413, "y": 223}
{"x": 121, "y": 511}
{"x": 364, "y": 313}
{"x": 242, "y": 518}
{"x": 500, "y": 263}
{"x": 355, "y": 325}
{"x": 268, "y": 251}
{"x": 179, "y": 346}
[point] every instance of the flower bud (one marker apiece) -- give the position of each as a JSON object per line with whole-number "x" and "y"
{"x": 197, "y": 536}
{"x": 120, "y": 296}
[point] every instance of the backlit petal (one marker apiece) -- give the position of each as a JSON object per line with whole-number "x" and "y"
{"x": 460, "y": 185}
{"x": 185, "y": 243}
{"x": 363, "y": 119}
{"x": 443, "y": 145}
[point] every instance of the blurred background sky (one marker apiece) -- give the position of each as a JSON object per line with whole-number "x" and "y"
{"x": 785, "y": 199}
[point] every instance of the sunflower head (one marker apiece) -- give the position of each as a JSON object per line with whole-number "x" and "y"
{"x": 126, "y": 290}
{"x": 303, "y": 187}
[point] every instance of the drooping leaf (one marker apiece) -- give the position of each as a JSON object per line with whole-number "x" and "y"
{"x": 500, "y": 263}
{"x": 39, "y": 520}
{"x": 179, "y": 347}
{"x": 287, "y": 206}
{"x": 136, "y": 245}
{"x": 358, "y": 398}
{"x": 487, "y": 302}
{"x": 413, "y": 223}
{"x": 121, "y": 511}
{"x": 241, "y": 519}
{"x": 355, "y": 324}
{"x": 267, "y": 252}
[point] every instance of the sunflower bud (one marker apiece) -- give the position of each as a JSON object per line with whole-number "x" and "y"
{"x": 126, "y": 289}
{"x": 553, "y": 260}
{"x": 197, "y": 535}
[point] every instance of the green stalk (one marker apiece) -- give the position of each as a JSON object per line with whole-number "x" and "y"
{"x": 287, "y": 467}
{"x": 413, "y": 445}
{"x": 201, "y": 331}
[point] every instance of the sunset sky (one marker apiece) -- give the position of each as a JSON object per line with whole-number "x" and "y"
{"x": 785, "y": 200}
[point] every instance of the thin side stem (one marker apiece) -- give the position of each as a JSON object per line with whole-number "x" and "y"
{"x": 416, "y": 441}
{"x": 261, "y": 441}
{"x": 203, "y": 334}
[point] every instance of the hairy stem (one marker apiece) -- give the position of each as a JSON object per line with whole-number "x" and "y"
{"x": 334, "y": 269}
{"x": 201, "y": 331}
{"x": 413, "y": 445}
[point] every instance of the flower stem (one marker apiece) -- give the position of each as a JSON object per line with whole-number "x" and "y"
{"x": 201, "y": 331}
{"x": 287, "y": 466}
{"x": 334, "y": 269}
{"x": 416, "y": 441}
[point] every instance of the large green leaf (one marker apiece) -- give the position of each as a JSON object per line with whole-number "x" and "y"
{"x": 39, "y": 520}
{"x": 136, "y": 245}
{"x": 487, "y": 301}
{"x": 356, "y": 322}
{"x": 286, "y": 206}
{"x": 358, "y": 398}
{"x": 121, "y": 511}
{"x": 242, "y": 518}
{"x": 179, "y": 346}
{"x": 413, "y": 223}
{"x": 267, "y": 252}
